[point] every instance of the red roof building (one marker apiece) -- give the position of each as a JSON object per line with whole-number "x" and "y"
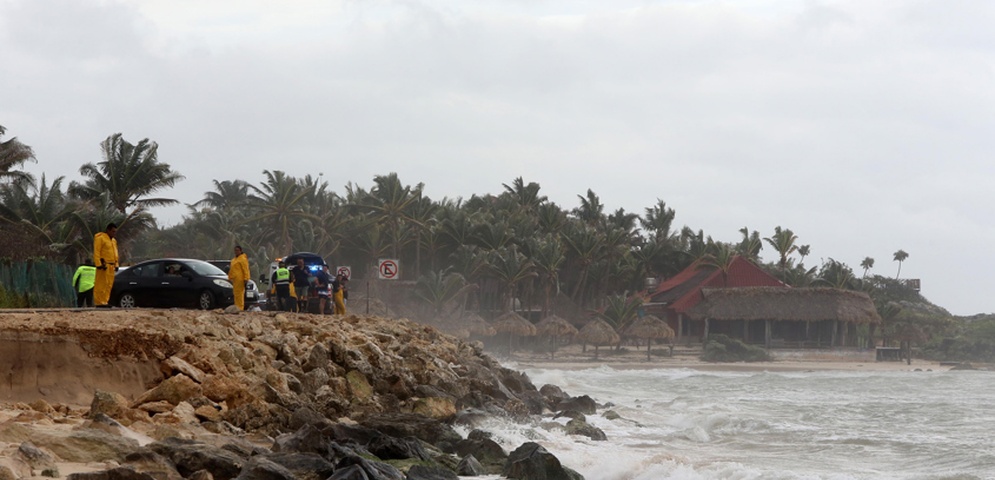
{"x": 674, "y": 297}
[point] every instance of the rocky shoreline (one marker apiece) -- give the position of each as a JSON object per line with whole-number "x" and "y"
{"x": 187, "y": 394}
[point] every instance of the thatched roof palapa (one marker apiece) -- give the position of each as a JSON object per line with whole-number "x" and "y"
{"x": 785, "y": 304}
{"x": 514, "y": 324}
{"x": 649, "y": 327}
{"x": 598, "y": 332}
{"x": 476, "y": 325}
{"x": 553, "y": 326}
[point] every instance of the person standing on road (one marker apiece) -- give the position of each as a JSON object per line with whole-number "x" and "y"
{"x": 83, "y": 284}
{"x": 281, "y": 282}
{"x": 105, "y": 261}
{"x": 238, "y": 275}
{"x": 338, "y": 293}
{"x": 301, "y": 284}
{"x": 323, "y": 288}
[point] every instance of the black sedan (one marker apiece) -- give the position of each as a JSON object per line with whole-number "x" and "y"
{"x": 172, "y": 282}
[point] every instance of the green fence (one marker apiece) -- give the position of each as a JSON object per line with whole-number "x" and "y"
{"x": 36, "y": 283}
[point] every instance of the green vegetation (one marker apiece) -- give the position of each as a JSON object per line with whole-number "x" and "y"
{"x": 488, "y": 252}
{"x": 720, "y": 348}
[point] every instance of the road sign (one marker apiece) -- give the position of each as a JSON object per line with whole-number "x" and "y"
{"x": 388, "y": 269}
{"x": 344, "y": 271}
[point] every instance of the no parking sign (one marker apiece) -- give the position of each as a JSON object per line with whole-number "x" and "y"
{"x": 388, "y": 269}
{"x": 344, "y": 271}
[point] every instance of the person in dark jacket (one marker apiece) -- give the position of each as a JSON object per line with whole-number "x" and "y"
{"x": 302, "y": 284}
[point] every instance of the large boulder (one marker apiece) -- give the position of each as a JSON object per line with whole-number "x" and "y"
{"x": 531, "y": 461}
{"x": 190, "y": 456}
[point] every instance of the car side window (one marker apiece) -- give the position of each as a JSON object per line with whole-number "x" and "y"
{"x": 150, "y": 270}
{"x": 173, "y": 269}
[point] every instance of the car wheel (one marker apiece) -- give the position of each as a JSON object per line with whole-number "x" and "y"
{"x": 127, "y": 300}
{"x": 206, "y": 300}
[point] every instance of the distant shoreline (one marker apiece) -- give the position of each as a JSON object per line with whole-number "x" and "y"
{"x": 571, "y": 357}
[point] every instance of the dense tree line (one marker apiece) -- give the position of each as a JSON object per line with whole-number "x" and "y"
{"x": 513, "y": 248}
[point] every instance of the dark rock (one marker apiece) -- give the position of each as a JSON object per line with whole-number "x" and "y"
{"x": 318, "y": 358}
{"x": 611, "y": 415}
{"x": 571, "y": 414}
{"x": 153, "y": 464}
{"x": 352, "y": 472}
{"x": 304, "y": 466}
{"x": 478, "y": 434}
{"x": 470, "y": 467}
{"x": 531, "y": 461}
{"x": 583, "y": 404}
{"x": 422, "y": 472}
{"x": 405, "y": 425}
{"x": 392, "y": 448}
{"x": 345, "y": 432}
{"x": 37, "y": 458}
{"x": 580, "y": 427}
{"x": 486, "y": 451}
{"x": 261, "y": 468}
{"x": 306, "y": 439}
{"x": 308, "y": 416}
{"x": 553, "y": 394}
{"x": 190, "y": 456}
{"x": 119, "y": 473}
{"x": 374, "y": 470}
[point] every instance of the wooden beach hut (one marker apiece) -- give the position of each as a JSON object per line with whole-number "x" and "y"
{"x": 793, "y": 317}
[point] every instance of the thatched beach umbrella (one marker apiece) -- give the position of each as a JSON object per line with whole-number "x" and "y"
{"x": 554, "y": 327}
{"x": 476, "y": 325}
{"x": 650, "y": 328}
{"x": 514, "y": 324}
{"x": 598, "y": 332}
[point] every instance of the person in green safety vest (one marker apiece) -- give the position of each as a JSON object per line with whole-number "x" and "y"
{"x": 83, "y": 284}
{"x": 281, "y": 282}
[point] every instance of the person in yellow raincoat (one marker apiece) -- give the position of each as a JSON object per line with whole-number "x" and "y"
{"x": 106, "y": 261}
{"x": 238, "y": 275}
{"x": 339, "y": 293}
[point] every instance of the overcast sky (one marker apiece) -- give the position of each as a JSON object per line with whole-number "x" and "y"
{"x": 864, "y": 126}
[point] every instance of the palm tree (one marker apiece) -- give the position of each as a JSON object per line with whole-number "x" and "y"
{"x": 803, "y": 251}
{"x": 227, "y": 194}
{"x": 526, "y": 196}
{"x": 837, "y": 274}
{"x": 751, "y": 245}
{"x": 389, "y": 203}
{"x": 783, "y": 242}
{"x": 867, "y": 264}
{"x": 40, "y": 207}
{"x": 591, "y": 210}
{"x": 128, "y": 175}
{"x": 510, "y": 268}
{"x": 900, "y": 257}
{"x": 13, "y": 154}
{"x": 658, "y": 221}
{"x": 586, "y": 245}
{"x": 620, "y": 310}
{"x": 440, "y": 289}
{"x": 547, "y": 254}
{"x": 279, "y": 205}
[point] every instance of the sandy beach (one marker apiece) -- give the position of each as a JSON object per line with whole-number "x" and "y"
{"x": 572, "y": 357}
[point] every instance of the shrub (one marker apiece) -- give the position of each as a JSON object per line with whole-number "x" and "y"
{"x": 720, "y": 348}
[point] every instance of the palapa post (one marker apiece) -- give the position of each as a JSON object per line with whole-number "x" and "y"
{"x": 650, "y": 327}
{"x": 554, "y": 327}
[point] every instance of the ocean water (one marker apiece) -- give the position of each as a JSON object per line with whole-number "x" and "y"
{"x": 687, "y": 424}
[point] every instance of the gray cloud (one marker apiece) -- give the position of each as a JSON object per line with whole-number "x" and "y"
{"x": 863, "y": 126}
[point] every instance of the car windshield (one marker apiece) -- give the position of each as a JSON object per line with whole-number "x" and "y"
{"x": 204, "y": 268}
